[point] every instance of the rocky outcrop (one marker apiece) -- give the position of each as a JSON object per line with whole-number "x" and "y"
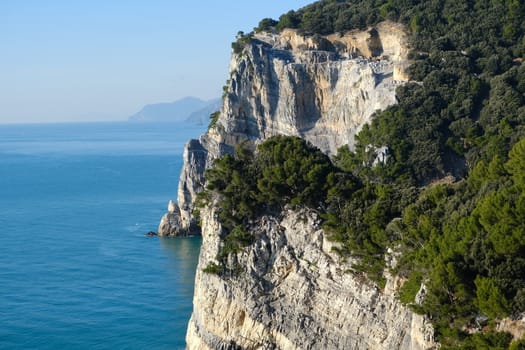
{"x": 191, "y": 181}
{"x": 178, "y": 221}
{"x": 323, "y": 89}
{"x": 291, "y": 291}
{"x": 170, "y": 224}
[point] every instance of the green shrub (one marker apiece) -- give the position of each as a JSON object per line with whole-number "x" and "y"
{"x": 266, "y": 25}
{"x": 213, "y": 268}
{"x": 410, "y": 288}
{"x": 234, "y": 241}
{"x": 489, "y": 298}
{"x": 214, "y": 117}
{"x": 517, "y": 345}
{"x": 242, "y": 41}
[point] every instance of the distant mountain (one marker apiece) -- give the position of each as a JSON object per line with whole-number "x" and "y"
{"x": 202, "y": 116}
{"x": 169, "y": 112}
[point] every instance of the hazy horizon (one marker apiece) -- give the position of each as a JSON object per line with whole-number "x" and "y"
{"x": 68, "y": 61}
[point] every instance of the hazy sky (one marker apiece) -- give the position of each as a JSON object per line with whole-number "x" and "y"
{"x": 83, "y": 60}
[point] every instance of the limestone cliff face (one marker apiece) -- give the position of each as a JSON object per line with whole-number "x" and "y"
{"x": 323, "y": 89}
{"x": 290, "y": 291}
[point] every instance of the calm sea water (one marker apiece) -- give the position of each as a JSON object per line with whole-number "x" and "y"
{"x": 76, "y": 271}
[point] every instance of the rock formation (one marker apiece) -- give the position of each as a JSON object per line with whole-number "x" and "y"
{"x": 290, "y": 291}
{"x": 170, "y": 224}
{"x": 323, "y": 89}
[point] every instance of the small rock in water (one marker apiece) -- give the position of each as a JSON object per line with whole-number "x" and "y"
{"x": 151, "y": 234}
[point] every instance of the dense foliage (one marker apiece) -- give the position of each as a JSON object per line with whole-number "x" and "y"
{"x": 451, "y": 197}
{"x": 466, "y": 242}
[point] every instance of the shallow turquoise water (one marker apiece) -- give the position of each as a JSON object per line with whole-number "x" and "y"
{"x": 76, "y": 270}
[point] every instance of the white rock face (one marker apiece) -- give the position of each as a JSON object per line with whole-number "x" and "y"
{"x": 178, "y": 221}
{"x": 294, "y": 293}
{"x": 170, "y": 222}
{"x": 322, "y": 89}
{"x": 191, "y": 181}
{"x": 172, "y": 207}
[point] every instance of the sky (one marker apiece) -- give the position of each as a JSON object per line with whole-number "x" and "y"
{"x": 103, "y": 60}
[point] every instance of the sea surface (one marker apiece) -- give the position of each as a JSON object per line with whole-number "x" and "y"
{"x": 76, "y": 269}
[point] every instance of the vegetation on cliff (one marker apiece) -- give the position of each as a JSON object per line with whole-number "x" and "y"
{"x": 450, "y": 196}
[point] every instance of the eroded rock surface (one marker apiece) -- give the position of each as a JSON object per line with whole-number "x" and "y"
{"x": 294, "y": 293}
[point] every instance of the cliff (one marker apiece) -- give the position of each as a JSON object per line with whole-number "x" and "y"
{"x": 321, "y": 88}
{"x": 289, "y": 290}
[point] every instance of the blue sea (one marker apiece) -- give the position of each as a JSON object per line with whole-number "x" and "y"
{"x": 76, "y": 269}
